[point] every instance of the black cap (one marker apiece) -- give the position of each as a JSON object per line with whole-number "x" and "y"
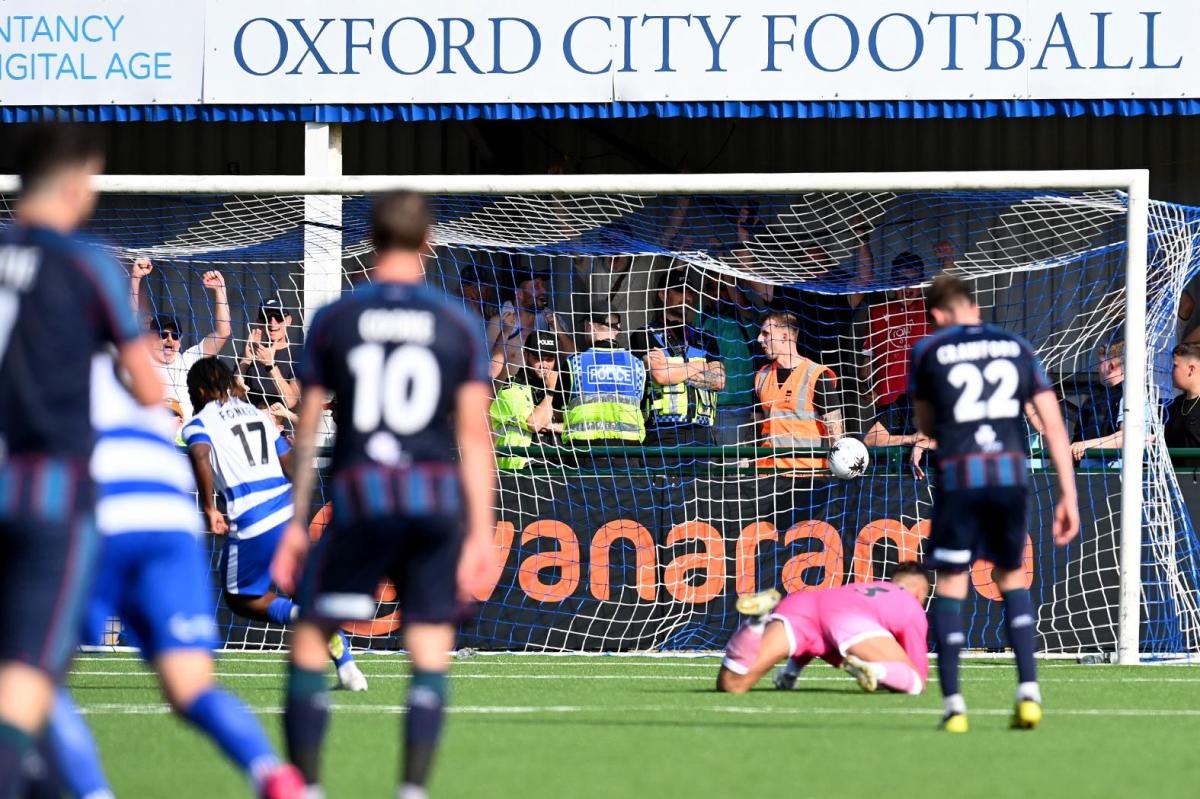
{"x": 162, "y": 322}
{"x": 542, "y": 342}
{"x": 272, "y": 307}
{"x": 909, "y": 264}
{"x": 674, "y": 279}
{"x": 603, "y": 316}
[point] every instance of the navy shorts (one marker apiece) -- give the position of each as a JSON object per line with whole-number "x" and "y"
{"x": 48, "y": 544}
{"x": 976, "y": 523}
{"x": 419, "y": 554}
{"x": 158, "y": 584}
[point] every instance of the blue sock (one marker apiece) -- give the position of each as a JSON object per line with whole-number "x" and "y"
{"x": 341, "y": 652}
{"x": 1019, "y": 620}
{"x": 305, "y": 717}
{"x": 948, "y": 632}
{"x": 423, "y": 724}
{"x": 234, "y": 729}
{"x": 15, "y": 747}
{"x": 280, "y": 611}
{"x": 74, "y": 752}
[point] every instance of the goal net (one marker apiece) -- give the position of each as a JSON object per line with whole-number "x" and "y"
{"x": 637, "y": 543}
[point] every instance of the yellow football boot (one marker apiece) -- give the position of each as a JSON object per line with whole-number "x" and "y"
{"x": 1027, "y": 715}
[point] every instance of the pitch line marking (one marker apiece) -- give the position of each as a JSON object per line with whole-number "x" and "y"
{"x": 455, "y": 675}
{"x": 469, "y": 710}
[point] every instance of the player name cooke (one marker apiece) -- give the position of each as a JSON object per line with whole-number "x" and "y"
{"x": 396, "y": 325}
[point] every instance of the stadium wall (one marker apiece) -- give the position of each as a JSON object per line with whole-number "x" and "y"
{"x": 1161, "y": 143}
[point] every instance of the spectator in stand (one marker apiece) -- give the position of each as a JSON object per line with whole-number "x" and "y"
{"x": 1102, "y": 414}
{"x": 170, "y": 361}
{"x": 893, "y": 327}
{"x": 478, "y": 290}
{"x": 527, "y": 313}
{"x": 1182, "y": 426}
{"x": 605, "y": 386}
{"x": 1189, "y": 313}
{"x": 896, "y": 426}
{"x": 796, "y": 396}
{"x": 266, "y": 365}
{"x": 730, "y": 321}
{"x": 684, "y": 368}
{"x": 528, "y": 407}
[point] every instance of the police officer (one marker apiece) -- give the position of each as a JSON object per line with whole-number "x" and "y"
{"x": 684, "y": 369}
{"x": 528, "y": 408}
{"x": 606, "y": 384}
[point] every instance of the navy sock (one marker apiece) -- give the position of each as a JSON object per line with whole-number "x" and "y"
{"x": 423, "y": 724}
{"x": 305, "y": 716}
{"x": 280, "y": 611}
{"x": 234, "y": 729}
{"x": 15, "y": 748}
{"x": 73, "y": 750}
{"x": 1019, "y": 620}
{"x": 948, "y": 632}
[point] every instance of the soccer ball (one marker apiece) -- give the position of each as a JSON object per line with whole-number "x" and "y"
{"x": 848, "y": 458}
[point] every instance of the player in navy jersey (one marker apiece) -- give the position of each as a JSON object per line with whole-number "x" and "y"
{"x": 409, "y": 369}
{"x": 972, "y": 385}
{"x": 60, "y": 301}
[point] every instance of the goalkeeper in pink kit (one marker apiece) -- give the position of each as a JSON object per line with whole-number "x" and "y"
{"x": 875, "y": 631}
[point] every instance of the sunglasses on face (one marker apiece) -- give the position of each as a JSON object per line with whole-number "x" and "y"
{"x": 169, "y": 334}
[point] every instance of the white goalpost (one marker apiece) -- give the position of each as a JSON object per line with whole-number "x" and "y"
{"x": 1072, "y": 259}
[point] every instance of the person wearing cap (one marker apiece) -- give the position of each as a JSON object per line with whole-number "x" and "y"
{"x": 605, "y": 386}
{"x": 684, "y": 368}
{"x": 529, "y": 405}
{"x": 527, "y": 312}
{"x": 266, "y": 364}
{"x": 170, "y": 360}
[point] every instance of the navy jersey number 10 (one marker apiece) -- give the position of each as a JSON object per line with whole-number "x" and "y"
{"x": 400, "y": 389}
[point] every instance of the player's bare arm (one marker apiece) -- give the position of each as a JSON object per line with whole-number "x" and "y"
{"x": 1066, "y": 512}
{"x": 477, "y": 565}
{"x": 774, "y": 648}
{"x": 200, "y": 455}
{"x": 293, "y": 547}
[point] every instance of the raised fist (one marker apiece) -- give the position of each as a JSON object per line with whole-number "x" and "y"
{"x": 142, "y": 267}
{"x": 213, "y": 280}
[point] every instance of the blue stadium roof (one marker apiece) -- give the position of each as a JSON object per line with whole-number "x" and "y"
{"x": 417, "y": 112}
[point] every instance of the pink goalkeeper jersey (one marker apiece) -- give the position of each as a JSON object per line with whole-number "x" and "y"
{"x": 825, "y": 624}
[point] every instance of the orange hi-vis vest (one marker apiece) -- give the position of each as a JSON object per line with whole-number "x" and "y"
{"x": 791, "y": 416}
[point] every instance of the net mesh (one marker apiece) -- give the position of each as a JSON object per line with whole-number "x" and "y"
{"x": 646, "y": 545}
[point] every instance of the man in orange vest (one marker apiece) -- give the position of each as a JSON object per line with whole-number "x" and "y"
{"x": 795, "y": 396}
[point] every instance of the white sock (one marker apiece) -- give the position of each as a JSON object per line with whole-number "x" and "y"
{"x": 1029, "y": 691}
{"x": 407, "y": 791}
{"x": 954, "y": 704}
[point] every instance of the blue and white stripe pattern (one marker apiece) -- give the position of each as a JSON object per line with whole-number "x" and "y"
{"x": 245, "y": 447}
{"x": 143, "y": 481}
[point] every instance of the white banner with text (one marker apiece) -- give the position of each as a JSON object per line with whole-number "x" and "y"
{"x": 74, "y": 52}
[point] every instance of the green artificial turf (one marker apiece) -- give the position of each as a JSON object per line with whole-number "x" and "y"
{"x": 582, "y": 727}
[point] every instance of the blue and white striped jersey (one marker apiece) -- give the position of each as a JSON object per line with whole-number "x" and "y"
{"x": 143, "y": 482}
{"x": 246, "y": 446}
